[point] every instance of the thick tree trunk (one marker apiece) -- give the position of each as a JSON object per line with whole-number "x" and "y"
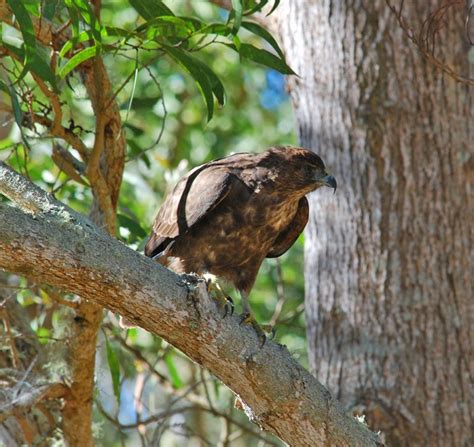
{"x": 388, "y": 260}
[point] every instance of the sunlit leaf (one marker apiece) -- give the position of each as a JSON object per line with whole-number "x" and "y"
{"x": 275, "y": 6}
{"x": 77, "y": 59}
{"x": 200, "y": 76}
{"x": 69, "y": 44}
{"x": 34, "y": 60}
{"x": 149, "y": 9}
{"x": 43, "y": 335}
{"x": 50, "y": 8}
{"x": 173, "y": 372}
{"x": 114, "y": 367}
{"x": 237, "y": 10}
{"x": 17, "y": 113}
{"x": 88, "y": 16}
{"x": 143, "y": 103}
{"x": 137, "y": 152}
{"x": 262, "y": 57}
{"x": 215, "y": 28}
{"x": 132, "y": 226}
{"x": 171, "y": 25}
{"x": 264, "y": 34}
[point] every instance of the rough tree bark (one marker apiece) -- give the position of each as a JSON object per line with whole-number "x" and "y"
{"x": 53, "y": 244}
{"x": 389, "y": 262}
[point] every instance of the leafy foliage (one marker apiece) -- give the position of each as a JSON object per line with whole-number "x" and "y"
{"x": 161, "y": 57}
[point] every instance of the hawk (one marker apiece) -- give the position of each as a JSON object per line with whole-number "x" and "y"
{"x": 226, "y": 216}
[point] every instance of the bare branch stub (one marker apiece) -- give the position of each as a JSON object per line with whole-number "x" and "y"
{"x": 428, "y": 35}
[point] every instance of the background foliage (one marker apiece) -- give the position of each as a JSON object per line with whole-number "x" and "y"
{"x": 166, "y": 68}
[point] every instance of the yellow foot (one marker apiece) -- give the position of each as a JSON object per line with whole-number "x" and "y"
{"x": 215, "y": 290}
{"x": 261, "y": 330}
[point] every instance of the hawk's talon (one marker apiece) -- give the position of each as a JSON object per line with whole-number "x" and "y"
{"x": 247, "y": 318}
{"x": 215, "y": 290}
{"x": 228, "y": 306}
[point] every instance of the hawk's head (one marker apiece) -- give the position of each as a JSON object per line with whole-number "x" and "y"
{"x": 315, "y": 171}
{"x": 304, "y": 169}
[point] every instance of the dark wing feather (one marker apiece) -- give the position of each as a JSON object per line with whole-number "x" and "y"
{"x": 195, "y": 195}
{"x": 289, "y": 235}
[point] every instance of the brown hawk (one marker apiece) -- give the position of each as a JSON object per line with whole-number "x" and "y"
{"x": 226, "y": 216}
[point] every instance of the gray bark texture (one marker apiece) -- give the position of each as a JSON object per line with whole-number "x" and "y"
{"x": 52, "y": 244}
{"x": 388, "y": 261}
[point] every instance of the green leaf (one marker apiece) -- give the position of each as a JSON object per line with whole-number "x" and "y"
{"x": 88, "y": 16}
{"x": 43, "y": 335}
{"x": 17, "y": 113}
{"x": 50, "y": 8}
{"x": 40, "y": 67}
{"x": 77, "y": 59}
{"x": 264, "y": 34}
{"x": 69, "y": 44}
{"x": 114, "y": 31}
{"x": 216, "y": 84}
{"x": 142, "y": 103}
{"x": 131, "y": 225}
{"x": 26, "y": 25}
{"x": 190, "y": 64}
{"x": 215, "y": 28}
{"x": 275, "y": 6}
{"x": 32, "y": 57}
{"x": 136, "y": 130}
{"x": 114, "y": 367}
{"x": 27, "y": 31}
{"x": 149, "y": 9}
{"x": 170, "y": 26}
{"x": 173, "y": 372}
{"x": 137, "y": 152}
{"x": 262, "y": 57}
{"x": 237, "y": 10}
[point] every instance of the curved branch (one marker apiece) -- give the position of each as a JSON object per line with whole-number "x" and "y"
{"x": 60, "y": 247}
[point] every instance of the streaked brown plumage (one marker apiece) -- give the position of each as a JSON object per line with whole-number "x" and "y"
{"x": 226, "y": 216}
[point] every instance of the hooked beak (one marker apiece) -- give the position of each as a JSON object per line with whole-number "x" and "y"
{"x": 328, "y": 180}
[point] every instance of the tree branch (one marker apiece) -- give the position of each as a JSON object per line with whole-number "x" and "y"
{"x": 60, "y": 247}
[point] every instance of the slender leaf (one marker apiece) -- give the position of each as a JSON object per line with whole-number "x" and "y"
{"x": 238, "y": 10}
{"x": 132, "y": 226}
{"x": 264, "y": 34}
{"x": 88, "y": 16}
{"x": 114, "y": 367}
{"x": 173, "y": 372}
{"x": 201, "y": 69}
{"x": 215, "y": 28}
{"x": 258, "y": 7}
{"x": 17, "y": 113}
{"x": 216, "y": 84}
{"x": 50, "y": 8}
{"x": 149, "y": 9}
{"x": 170, "y": 26}
{"x": 275, "y": 6}
{"x": 27, "y": 31}
{"x": 137, "y": 152}
{"x": 200, "y": 76}
{"x": 77, "y": 59}
{"x": 262, "y": 57}
{"x": 32, "y": 56}
{"x": 69, "y": 44}
{"x": 39, "y": 64}
{"x": 26, "y": 25}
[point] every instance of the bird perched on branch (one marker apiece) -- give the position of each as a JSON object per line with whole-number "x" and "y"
{"x": 226, "y": 216}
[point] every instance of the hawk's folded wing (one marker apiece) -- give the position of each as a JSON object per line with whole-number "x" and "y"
{"x": 195, "y": 195}
{"x": 289, "y": 235}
